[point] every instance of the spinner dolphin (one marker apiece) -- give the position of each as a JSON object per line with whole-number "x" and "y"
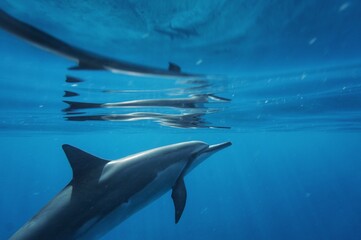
{"x": 104, "y": 193}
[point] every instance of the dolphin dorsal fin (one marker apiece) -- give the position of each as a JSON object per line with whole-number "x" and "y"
{"x": 86, "y": 66}
{"x": 172, "y": 67}
{"x": 82, "y": 162}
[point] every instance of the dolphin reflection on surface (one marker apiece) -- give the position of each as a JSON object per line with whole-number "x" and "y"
{"x": 191, "y": 111}
{"x": 186, "y": 120}
{"x": 194, "y": 101}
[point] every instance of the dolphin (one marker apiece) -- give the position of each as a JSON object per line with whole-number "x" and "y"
{"x": 86, "y": 60}
{"x": 104, "y": 193}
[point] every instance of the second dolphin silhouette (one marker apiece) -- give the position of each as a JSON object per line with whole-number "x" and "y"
{"x": 86, "y": 60}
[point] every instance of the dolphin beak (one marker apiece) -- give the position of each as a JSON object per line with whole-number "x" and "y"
{"x": 217, "y": 147}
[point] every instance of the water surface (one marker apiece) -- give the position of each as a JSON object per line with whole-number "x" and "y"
{"x": 281, "y": 81}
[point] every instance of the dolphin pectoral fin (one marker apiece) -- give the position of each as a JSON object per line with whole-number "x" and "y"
{"x": 172, "y": 67}
{"x": 179, "y": 196}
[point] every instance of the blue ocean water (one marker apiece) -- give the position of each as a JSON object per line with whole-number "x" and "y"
{"x": 282, "y": 83}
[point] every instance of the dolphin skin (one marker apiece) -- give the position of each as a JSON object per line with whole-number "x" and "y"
{"x": 86, "y": 60}
{"x": 104, "y": 193}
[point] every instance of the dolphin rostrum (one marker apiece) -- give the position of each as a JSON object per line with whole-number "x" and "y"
{"x": 103, "y": 193}
{"x": 86, "y": 60}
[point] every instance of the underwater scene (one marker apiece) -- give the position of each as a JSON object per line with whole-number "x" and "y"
{"x": 192, "y": 119}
